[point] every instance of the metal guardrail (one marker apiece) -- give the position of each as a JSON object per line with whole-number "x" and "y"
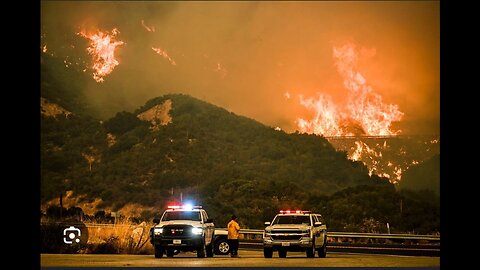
{"x": 358, "y": 245}
{"x": 360, "y": 235}
{"x": 384, "y": 236}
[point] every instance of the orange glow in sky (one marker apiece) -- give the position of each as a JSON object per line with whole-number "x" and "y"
{"x": 245, "y": 57}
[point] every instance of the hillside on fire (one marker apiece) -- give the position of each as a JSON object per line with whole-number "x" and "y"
{"x": 179, "y": 148}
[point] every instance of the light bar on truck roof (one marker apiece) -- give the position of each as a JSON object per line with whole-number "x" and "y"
{"x": 184, "y": 207}
{"x": 294, "y": 212}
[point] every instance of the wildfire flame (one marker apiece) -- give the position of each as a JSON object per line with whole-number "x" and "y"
{"x": 164, "y": 55}
{"x": 325, "y": 120}
{"x": 357, "y": 154}
{"x": 102, "y": 49}
{"x": 365, "y": 112}
{"x": 398, "y": 174}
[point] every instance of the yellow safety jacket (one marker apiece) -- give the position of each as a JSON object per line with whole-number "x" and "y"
{"x": 233, "y": 229}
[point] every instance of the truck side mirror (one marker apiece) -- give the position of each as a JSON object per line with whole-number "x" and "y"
{"x": 156, "y": 220}
{"x": 318, "y": 223}
{"x": 267, "y": 223}
{"x": 209, "y": 220}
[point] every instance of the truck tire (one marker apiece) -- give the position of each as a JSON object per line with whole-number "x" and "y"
{"x": 221, "y": 246}
{"x": 201, "y": 250}
{"x": 282, "y": 253}
{"x": 322, "y": 252}
{"x": 311, "y": 250}
{"x": 159, "y": 251}
{"x": 210, "y": 249}
{"x": 267, "y": 252}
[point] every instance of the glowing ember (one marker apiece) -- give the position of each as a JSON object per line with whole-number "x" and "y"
{"x": 385, "y": 175}
{"x": 102, "y": 49}
{"x": 44, "y": 48}
{"x": 149, "y": 29}
{"x": 164, "y": 55}
{"x": 357, "y": 154}
{"x": 365, "y": 112}
{"x": 220, "y": 69}
{"x": 398, "y": 174}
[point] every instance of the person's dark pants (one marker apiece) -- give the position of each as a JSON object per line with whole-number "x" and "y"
{"x": 233, "y": 246}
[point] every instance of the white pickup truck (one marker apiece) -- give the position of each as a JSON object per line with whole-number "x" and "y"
{"x": 183, "y": 228}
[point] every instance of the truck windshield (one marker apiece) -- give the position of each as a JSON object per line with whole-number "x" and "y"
{"x": 182, "y": 215}
{"x": 292, "y": 220}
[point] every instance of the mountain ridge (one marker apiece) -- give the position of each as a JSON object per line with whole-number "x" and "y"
{"x": 204, "y": 151}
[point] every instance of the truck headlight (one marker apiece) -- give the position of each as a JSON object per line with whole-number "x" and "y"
{"x": 157, "y": 231}
{"x": 197, "y": 231}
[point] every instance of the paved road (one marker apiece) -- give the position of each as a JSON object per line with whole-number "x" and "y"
{"x": 248, "y": 258}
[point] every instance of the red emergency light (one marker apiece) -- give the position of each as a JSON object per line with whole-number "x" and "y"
{"x": 294, "y": 211}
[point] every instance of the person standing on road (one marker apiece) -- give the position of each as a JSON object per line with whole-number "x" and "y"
{"x": 233, "y": 229}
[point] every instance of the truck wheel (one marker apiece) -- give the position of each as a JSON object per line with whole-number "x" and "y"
{"x": 222, "y": 247}
{"x": 201, "y": 250}
{"x": 267, "y": 252}
{"x": 311, "y": 250}
{"x": 322, "y": 252}
{"x": 170, "y": 252}
{"x": 210, "y": 249}
{"x": 159, "y": 252}
{"x": 282, "y": 253}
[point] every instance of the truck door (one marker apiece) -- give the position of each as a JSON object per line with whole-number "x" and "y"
{"x": 209, "y": 228}
{"x": 322, "y": 230}
{"x": 316, "y": 232}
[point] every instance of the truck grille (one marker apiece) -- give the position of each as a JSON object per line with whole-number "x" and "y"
{"x": 177, "y": 231}
{"x": 286, "y": 235}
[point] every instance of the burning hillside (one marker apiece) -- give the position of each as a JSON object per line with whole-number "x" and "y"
{"x": 362, "y": 125}
{"x": 388, "y": 156}
{"x": 102, "y": 49}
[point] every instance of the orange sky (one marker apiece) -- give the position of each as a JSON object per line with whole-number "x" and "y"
{"x": 244, "y": 56}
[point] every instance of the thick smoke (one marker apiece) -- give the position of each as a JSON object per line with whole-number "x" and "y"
{"x": 245, "y": 56}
